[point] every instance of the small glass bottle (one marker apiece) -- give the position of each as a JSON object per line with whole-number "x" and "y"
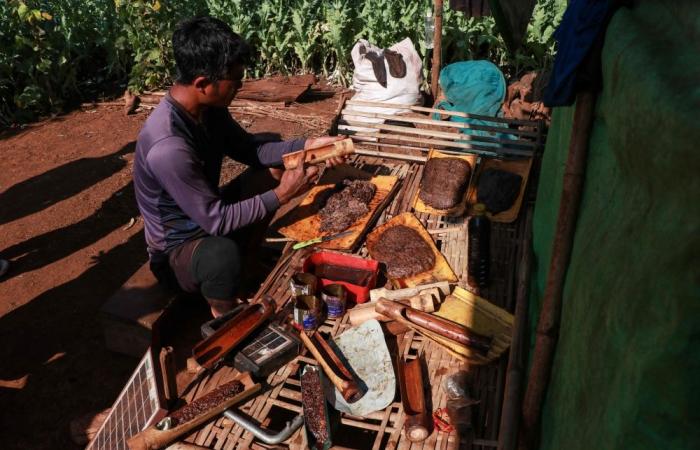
{"x": 479, "y": 228}
{"x": 429, "y": 28}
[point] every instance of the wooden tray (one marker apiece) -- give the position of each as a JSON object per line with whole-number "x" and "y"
{"x": 517, "y": 166}
{"x": 457, "y": 210}
{"x": 304, "y": 223}
{"x": 440, "y": 272}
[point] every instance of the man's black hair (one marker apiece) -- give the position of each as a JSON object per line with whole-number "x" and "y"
{"x": 205, "y": 46}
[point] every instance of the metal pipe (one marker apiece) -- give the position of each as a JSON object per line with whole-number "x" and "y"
{"x": 262, "y": 434}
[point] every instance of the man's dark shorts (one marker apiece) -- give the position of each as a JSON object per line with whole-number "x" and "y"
{"x": 212, "y": 265}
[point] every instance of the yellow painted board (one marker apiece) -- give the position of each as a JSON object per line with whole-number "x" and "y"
{"x": 303, "y": 223}
{"x": 457, "y": 210}
{"x": 480, "y": 315}
{"x": 441, "y": 271}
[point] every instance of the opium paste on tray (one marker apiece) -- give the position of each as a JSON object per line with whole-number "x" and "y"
{"x": 444, "y": 182}
{"x": 343, "y": 208}
{"x": 404, "y": 251}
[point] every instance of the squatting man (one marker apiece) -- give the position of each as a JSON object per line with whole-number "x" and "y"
{"x": 198, "y": 235}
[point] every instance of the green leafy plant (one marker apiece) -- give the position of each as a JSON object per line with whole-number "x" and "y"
{"x": 53, "y": 53}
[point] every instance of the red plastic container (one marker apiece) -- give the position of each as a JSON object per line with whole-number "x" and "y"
{"x": 323, "y": 263}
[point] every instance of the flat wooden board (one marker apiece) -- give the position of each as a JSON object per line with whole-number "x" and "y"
{"x": 441, "y": 271}
{"x": 277, "y": 89}
{"x": 303, "y": 222}
{"x": 457, "y": 210}
{"x": 517, "y": 166}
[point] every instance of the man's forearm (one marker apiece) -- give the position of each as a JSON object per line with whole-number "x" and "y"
{"x": 270, "y": 153}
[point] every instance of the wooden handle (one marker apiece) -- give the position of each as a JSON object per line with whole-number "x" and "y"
{"x": 416, "y": 423}
{"x": 319, "y": 154}
{"x": 153, "y": 439}
{"x": 339, "y": 375}
{"x": 443, "y": 327}
{"x": 210, "y": 350}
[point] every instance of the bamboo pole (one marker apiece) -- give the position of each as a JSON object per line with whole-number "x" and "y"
{"x": 443, "y": 123}
{"x": 550, "y": 314}
{"x": 532, "y": 123}
{"x": 437, "y": 50}
{"x": 390, "y": 155}
{"x": 468, "y": 148}
{"x": 508, "y": 429}
{"x": 440, "y": 134}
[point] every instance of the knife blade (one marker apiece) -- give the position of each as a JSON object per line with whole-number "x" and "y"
{"x": 318, "y": 240}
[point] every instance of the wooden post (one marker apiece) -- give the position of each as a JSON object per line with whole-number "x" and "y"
{"x": 510, "y": 415}
{"x": 437, "y": 49}
{"x": 550, "y": 315}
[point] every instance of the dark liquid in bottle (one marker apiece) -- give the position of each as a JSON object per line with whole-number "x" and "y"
{"x": 479, "y": 248}
{"x": 358, "y": 277}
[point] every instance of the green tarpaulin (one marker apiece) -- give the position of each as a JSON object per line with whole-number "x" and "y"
{"x": 627, "y": 369}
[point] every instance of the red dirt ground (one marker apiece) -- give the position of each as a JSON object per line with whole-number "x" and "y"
{"x": 66, "y": 198}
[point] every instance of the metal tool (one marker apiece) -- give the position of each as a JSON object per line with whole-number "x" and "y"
{"x": 318, "y": 240}
{"x": 266, "y": 436}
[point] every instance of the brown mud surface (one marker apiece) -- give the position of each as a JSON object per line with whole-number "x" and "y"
{"x": 66, "y": 202}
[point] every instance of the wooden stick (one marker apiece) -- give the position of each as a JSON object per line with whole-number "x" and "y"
{"x": 468, "y": 148}
{"x": 444, "y": 123}
{"x": 437, "y": 49}
{"x": 280, "y": 239}
{"x": 531, "y": 123}
{"x": 339, "y": 375}
{"x": 447, "y": 230}
{"x": 510, "y": 415}
{"x": 440, "y": 134}
{"x": 550, "y": 314}
{"x": 395, "y": 294}
{"x": 390, "y": 155}
{"x": 168, "y": 371}
{"x": 411, "y": 385}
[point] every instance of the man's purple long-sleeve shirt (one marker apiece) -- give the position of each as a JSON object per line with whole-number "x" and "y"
{"x": 176, "y": 175}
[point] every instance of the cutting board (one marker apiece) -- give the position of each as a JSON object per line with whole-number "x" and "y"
{"x": 303, "y": 222}
{"x": 457, "y": 210}
{"x": 441, "y": 271}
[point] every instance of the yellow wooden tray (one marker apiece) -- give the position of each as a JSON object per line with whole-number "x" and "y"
{"x": 303, "y": 222}
{"x": 457, "y": 210}
{"x": 517, "y": 166}
{"x": 441, "y": 271}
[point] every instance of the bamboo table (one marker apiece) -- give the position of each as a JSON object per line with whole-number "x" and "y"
{"x": 383, "y": 429}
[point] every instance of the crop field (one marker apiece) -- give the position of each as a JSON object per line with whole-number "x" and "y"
{"x": 54, "y": 53}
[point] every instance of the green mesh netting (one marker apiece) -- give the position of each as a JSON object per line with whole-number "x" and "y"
{"x": 627, "y": 370}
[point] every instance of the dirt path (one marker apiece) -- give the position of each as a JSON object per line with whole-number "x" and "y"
{"x": 66, "y": 198}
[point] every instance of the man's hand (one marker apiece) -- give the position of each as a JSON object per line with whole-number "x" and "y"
{"x": 294, "y": 182}
{"x": 326, "y": 140}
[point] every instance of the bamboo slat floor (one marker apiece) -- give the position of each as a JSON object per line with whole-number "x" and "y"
{"x": 383, "y": 429}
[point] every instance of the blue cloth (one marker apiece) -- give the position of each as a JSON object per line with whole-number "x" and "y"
{"x": 474, "y": 87}
{"x": 583, "y": 21}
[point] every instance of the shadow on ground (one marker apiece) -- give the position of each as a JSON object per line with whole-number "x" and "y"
{"x": 60, "y": 183}
{"x": 56, "y": 340}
